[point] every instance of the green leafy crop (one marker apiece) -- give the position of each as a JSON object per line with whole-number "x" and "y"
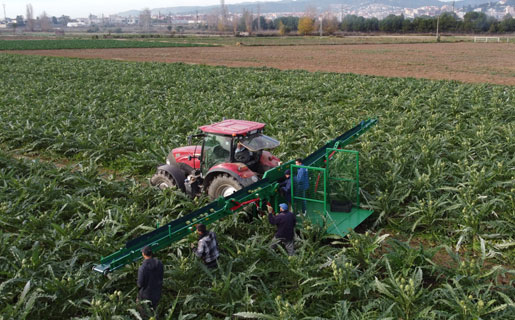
{"x": 89, "y": 44}
{"x": 438, "y": 170}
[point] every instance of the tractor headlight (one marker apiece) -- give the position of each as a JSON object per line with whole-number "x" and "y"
{"x": 167, "y": 161}
{"x": 254, "y": 178}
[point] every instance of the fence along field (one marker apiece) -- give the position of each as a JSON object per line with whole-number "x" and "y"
{"x": 438, "y": 169}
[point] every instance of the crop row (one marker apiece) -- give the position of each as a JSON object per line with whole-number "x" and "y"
{"x": 88, "y": 44}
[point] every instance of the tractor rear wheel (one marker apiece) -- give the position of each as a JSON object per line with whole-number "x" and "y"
{"x": 163, "y": 180}
{"x": 222, "y": 186}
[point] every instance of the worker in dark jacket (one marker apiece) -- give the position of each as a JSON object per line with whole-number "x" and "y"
{"x": 242, "y": 154}
{"x": 207, "y": 248}
{"x": 150, "y": 278}
{"x": 285, "y": 222}
{"x": 285, "y": 187}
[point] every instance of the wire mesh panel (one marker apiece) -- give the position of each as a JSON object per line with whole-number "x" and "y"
{"x": 308, "y": 185}
{"x": 343, "y": 176}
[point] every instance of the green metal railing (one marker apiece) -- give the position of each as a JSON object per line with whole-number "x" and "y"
{"x": 331, "y": 198}
{"x": 339, "y": 171}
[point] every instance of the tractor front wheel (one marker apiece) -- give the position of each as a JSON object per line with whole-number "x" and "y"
{"x": 223, "y": 186}
{"x": 163, "y": 180}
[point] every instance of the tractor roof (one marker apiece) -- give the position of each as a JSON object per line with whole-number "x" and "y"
{"x": 233, "y": 127}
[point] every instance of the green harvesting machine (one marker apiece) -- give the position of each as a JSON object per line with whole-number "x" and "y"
{"x": 331, "y": 200}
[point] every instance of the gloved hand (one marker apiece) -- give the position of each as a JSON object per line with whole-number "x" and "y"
{"x": 269, "y": 208}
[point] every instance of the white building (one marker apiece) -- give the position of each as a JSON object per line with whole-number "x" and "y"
{"x": 76, "y": 24}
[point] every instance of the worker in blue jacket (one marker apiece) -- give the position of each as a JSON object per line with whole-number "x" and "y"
{"x": 285, "y": 222}
{"x": 302, "y": 183}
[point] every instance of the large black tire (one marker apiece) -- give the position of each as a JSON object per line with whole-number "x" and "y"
{"x": 163, "y": 180}
{"x": 223, "y": 186}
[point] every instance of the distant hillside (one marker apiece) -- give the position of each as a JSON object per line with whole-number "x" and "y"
{"x": 301, "y": 5}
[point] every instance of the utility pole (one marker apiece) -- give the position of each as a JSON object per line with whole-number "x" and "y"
{"x": 5, "y": 17}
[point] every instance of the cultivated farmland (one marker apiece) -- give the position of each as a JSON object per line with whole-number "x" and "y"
{"x": 88, "y": 44}
{"x": 466, "y": 62}
{"x": 438, "y": 170}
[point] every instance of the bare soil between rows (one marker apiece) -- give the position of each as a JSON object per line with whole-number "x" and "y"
{"x": 466, "y": 62}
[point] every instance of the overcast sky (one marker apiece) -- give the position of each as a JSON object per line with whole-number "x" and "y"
{"x": 77, "y": 9}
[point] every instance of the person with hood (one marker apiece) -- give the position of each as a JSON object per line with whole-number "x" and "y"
{"x": 285, "y": 222}
{"x": 285, "y": 187}
{"x": 207, "y": 248}
{"x": 150, "y": 278}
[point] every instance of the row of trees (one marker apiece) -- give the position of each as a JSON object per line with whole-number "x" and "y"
{"x": 473, "y": 22}
{"x": 42, "y": 22}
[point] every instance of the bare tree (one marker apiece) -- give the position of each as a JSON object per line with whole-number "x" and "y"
{"x": 220, "y": 25}
{"x": 330, "y": 23}
{"x": 234, "y": 24}
{"x": 282, "y": 29}
{"x": 45, "y": 22}
{"x": 247, "y": 17}
{"x": 30, "y": 18}
{"x": 223, "y": 16}
{"x": 212, "y": 20}
{"x": 145, "y": 19}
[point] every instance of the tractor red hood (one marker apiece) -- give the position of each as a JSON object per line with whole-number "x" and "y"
{"x": 181, "y": 155}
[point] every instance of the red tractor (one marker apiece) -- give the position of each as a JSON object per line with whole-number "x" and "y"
{"x": 231, "y": 156}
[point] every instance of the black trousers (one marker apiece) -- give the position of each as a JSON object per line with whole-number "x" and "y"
{"x": 211, "y": 265}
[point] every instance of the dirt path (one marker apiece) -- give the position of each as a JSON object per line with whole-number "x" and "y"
{"x": 467, "y": 62}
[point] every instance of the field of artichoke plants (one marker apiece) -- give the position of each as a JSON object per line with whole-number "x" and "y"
{"x": 80, "y": 138}
{"x": 88, "y": 44}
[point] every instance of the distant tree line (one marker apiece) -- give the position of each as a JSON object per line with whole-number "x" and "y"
{"x": 287, "y": 24}
{"x": 31, "y": 22}
{"x": 472, "y": 22}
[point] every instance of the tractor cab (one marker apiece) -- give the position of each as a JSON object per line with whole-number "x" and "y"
{"x": 229, "y": 155}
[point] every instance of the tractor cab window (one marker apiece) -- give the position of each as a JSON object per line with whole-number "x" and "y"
{"x": 259, "y": 142}
{"x": 217, "y": 149}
